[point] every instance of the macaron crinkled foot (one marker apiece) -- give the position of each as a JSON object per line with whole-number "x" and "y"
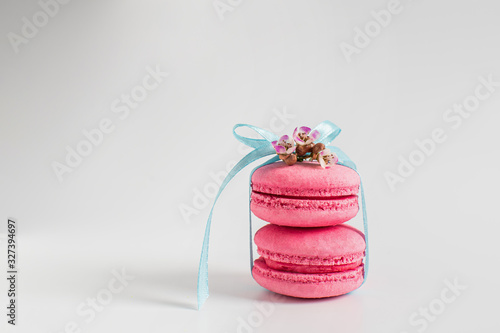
{"x": 304, "y": 194}
{"x": 309, "y": 262}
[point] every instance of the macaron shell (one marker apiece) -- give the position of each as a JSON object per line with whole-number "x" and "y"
{"x": 338, "y": 245}
{"x": 307, "y": 285}
{"x": 305, "y": 179}
{"x": 304, "y": 194}
{"x": 297, "y": 212}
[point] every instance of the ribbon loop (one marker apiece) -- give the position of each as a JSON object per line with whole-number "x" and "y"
{"x": 263, "y": 147}
{"x": 255, "y": 143}
{"x": 328, "y": 132}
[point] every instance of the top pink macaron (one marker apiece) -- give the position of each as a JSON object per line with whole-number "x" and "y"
{"x": 304, "y": 194}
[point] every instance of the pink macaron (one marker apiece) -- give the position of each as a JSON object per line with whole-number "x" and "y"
{"x": 304, "y": 194}
{"x": 309, "y": 262}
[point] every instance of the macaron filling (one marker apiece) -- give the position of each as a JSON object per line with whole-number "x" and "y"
{"x": 305, "y": 192}
{"x": 311, "y": 269}
{"x": 261, "y": 267}
{"x": 332, "y": 203}
{"x": 311, "y": 265}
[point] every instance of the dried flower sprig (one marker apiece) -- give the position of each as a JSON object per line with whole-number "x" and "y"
{"x": 302, "y": 148}
{"x": 327, "y": 158}
{"x": 303, "y": 136}
{"x": 285, "y": 149}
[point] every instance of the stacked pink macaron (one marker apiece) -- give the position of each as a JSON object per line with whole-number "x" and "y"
{"x": 306, "y": 250}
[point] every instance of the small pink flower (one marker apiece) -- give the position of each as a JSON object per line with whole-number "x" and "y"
{"x": 326, "y": 158}
{"x": 284, "y": 146}
{"x": 303, "y": 136}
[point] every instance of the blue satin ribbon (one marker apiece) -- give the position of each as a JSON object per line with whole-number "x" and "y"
{"x": 263, "y": 147}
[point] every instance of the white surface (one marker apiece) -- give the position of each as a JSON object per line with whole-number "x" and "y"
{"x": 120, "y": 207}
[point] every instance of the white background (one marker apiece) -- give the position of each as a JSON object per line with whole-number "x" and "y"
{"x": 121, "y": 207}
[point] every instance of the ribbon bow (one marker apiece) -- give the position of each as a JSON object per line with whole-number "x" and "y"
{"x": 263, "y": 147}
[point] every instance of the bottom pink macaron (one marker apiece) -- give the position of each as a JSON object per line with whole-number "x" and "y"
{"x": 309, "y": 262}
{"x": 316, "y": 285}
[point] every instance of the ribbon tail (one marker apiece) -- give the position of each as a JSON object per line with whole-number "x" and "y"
{"x": 254, "y": 155}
